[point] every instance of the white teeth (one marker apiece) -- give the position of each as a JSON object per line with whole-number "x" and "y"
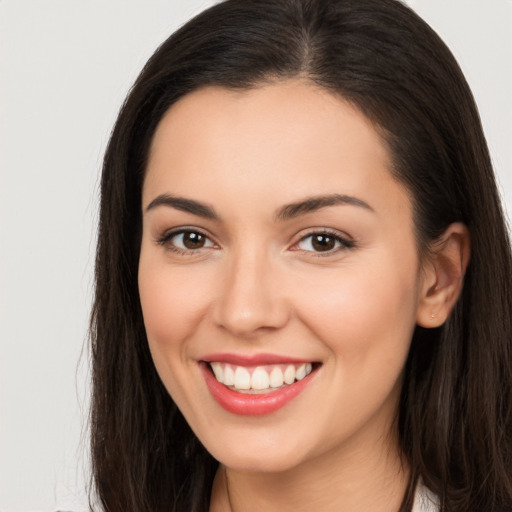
{"x": 301, "y": 372}
{"x": 242, "y": 378}
{"x": 229, "y": 376}
{"x": 218, "y": 371}
{"x": 276, "y": 377}
{"x": 289, "y": 374}
{"x": 260, "y": 379}
{"x": 263, "y": 377}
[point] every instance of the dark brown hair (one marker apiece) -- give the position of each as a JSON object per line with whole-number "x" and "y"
{"x": 454, "y": 423}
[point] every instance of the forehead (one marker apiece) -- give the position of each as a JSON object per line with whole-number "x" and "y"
{"x": 286, "y": 140}
{"x": 281, "y": 110}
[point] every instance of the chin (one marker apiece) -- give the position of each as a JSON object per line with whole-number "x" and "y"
{"x": 258, "y": 463}
{"x": 259, "y": 453}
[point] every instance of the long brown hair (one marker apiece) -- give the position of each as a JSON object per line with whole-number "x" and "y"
{"x": 455, "y": 422}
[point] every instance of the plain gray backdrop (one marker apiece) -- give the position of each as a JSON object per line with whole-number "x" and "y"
{"x": 65, "y": 67}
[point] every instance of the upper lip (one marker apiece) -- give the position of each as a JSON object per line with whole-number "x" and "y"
{"x": 253, "y": 359}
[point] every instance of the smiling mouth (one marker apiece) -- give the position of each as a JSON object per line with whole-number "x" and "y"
{"x": 259, "y": 379}
{"x": 256, "y": 385}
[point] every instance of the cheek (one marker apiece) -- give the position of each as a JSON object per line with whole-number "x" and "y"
{"x": 364, "y": 309}
{"x": 173, "y": 301}
{"x": 365, "y": 318}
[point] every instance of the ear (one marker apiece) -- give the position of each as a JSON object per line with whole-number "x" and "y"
{"x": 443, "y": 276}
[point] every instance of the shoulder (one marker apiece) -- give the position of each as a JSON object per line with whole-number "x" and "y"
{"x": 425, "y": 500}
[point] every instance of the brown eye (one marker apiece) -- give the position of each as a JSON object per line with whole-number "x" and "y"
{"x": 193, "y": 240}
{"x": 323, "y": 242}
{"x": 186, "y": 241}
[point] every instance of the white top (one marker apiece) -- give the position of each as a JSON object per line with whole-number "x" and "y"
{"x": 425, "y": 500}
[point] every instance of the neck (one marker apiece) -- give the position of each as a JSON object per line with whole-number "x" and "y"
{"x": 340, "y": 480}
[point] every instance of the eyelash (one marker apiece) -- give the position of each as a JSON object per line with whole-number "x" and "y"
{"x": 165, "y": 241}
{"x": 342, "y": 243}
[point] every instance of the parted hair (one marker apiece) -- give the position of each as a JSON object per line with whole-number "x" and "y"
{"x": 454, "y": 421}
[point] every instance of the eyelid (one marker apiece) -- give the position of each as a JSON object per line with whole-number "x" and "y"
{"x": 165, "y": 238}
{"x": 345, "y": 241}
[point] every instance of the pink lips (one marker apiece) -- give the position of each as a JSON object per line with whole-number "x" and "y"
{"x": 252, "y": 404}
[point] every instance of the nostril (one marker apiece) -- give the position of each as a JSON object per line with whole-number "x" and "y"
{"x": 247, "y": 318}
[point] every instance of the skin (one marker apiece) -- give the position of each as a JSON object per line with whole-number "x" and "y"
{"x": 258, "y": 285}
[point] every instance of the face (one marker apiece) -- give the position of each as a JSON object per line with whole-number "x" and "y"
{"x": 278, "y": 256}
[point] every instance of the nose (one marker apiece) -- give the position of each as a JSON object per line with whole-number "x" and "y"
{"x": 251, "y": 298}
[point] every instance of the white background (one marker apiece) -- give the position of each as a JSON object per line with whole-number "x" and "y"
{"x": 65, "y": 67}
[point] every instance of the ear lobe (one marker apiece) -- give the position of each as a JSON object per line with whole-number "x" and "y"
{"x": 443, "y": 276}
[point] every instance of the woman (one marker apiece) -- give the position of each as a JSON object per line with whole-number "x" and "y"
{"x": 303, "y": 287}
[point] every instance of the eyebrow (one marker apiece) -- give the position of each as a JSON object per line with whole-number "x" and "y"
{"x": 287, "y": 212}
{"x": 183, "y": 204}
{"x": 315, "y": 203}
